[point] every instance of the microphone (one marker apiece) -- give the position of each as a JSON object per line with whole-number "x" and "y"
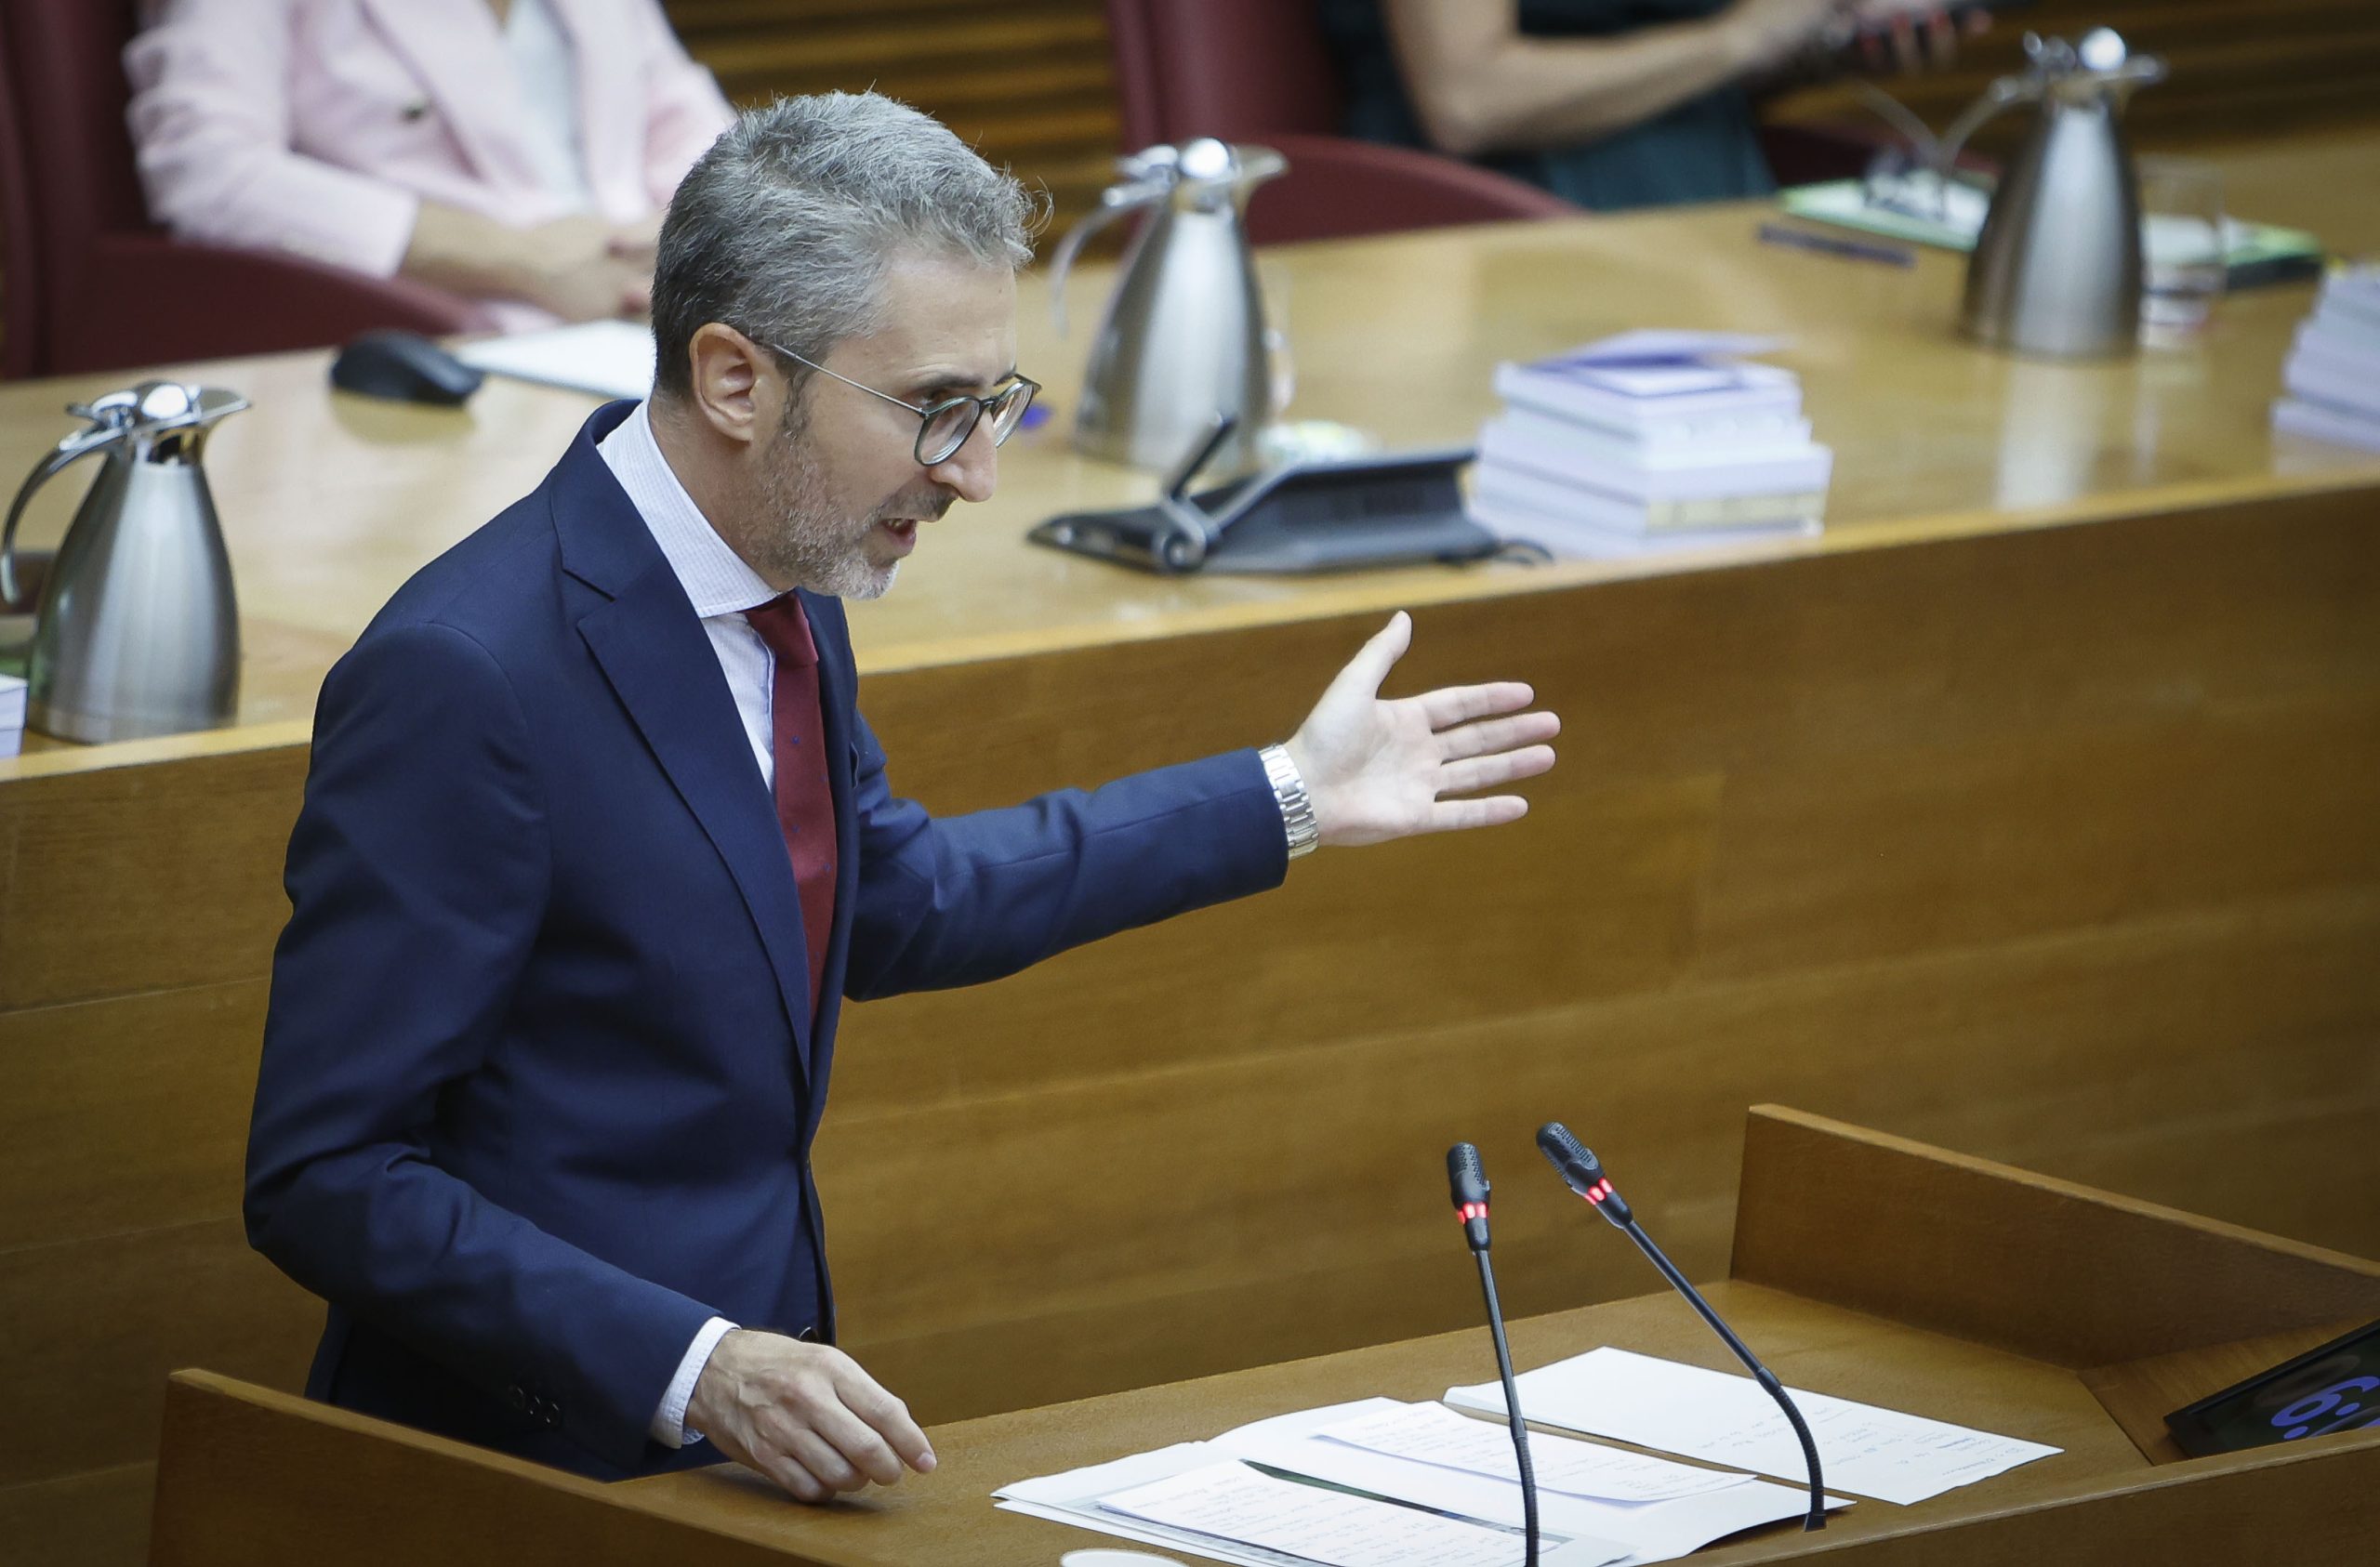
{"x": 1584, "y": 1173}
{"x": 1467, "y": 1184}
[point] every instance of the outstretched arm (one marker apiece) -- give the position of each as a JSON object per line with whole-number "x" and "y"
{"x": 964, "y": 899}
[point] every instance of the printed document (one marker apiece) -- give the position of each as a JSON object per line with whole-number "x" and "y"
{"x": 1232, "y": 1501}
{"x": 1431, "y": 1433}
{"x": 1287, "y": 1448}
{"x": 1727, "y": 1419}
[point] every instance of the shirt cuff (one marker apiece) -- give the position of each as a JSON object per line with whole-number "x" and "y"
{"x": 670, "y": 1428}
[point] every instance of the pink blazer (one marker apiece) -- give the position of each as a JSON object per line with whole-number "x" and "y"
{"x": 319, "y": 126}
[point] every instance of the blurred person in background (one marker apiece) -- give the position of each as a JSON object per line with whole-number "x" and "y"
{"x": 1610, "y": 103}
{"x": 516, "y": 152}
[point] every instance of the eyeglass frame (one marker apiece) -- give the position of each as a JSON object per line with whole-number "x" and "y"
{"x": 929, "y": 412}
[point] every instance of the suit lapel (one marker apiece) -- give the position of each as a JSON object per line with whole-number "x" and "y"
{"x": 455, "y": 49}
{"x": 658, "y": 661}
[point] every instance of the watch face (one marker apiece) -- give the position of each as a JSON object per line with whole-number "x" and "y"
{"x": 2335, "y": 1388}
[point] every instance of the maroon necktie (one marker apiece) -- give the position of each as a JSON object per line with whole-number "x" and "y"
{"x": 806, "y": 800}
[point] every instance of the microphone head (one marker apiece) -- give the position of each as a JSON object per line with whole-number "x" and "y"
{"x": 1581, "y": 1171}
{"x": 1467, "y": 1183}
{"x": 1467, "y": 1180}
{"x": 1575, "y": 1160}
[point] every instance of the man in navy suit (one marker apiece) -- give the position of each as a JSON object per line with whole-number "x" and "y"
{"x": 595, "y": 837}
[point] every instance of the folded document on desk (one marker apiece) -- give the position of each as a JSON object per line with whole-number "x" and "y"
{"x": 1404, "y": 1499}
{"x": 1726, "y": 1419}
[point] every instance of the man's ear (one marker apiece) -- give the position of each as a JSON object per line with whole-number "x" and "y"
{"x": 734, "y": 388}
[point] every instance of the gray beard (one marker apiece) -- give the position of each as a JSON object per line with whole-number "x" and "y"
{"x": 809, "y": 545}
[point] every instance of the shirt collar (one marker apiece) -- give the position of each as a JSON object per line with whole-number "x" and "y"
{"x": 717, "y": 580}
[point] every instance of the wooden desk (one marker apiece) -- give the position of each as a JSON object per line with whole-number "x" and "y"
{"x": 2029, "y": 810}
{"x": 1864, "y": 1267}
{"x": 330, "y": 501}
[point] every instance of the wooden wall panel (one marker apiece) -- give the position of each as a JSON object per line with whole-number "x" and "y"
{"x": 2077, "y": 1277}
{"x": 1028, "y": 84}
{"x": 127, "y": 1114}
{"x": 1035, "y": 1234}
{"x": 118, "y": 885}
{"x": 100, "y": 1518}
{"x": 93, "y": 1325}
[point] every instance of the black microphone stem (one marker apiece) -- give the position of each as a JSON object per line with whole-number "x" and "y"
{"x": 1512, "y": 1408}
{"x": 1760, "y": 1373}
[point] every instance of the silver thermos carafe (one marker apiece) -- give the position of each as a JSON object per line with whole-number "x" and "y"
{"x": 137, "y": 633}
{"x": 2056, "y": 268}
{"x": 1182, "y": 340}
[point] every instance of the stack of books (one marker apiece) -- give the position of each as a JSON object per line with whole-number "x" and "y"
{"x": 1649, "y": 441}
{"x": 2332, "y": 374}
{"x": 12, "y": 714}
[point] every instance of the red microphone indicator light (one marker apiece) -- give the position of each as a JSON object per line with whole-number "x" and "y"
{"x": 1581, "y": 1172}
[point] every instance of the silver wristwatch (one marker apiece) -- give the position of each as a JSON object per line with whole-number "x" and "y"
{"x": 1297, "y": 808}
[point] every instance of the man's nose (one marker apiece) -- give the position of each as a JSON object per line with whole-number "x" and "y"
{"x": 973, "y": 471}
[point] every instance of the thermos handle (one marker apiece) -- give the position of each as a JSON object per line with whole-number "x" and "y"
{"x": 1114, "y": 202}
{"x": 71, "y": 449}
{"x": 2005, "y": 93}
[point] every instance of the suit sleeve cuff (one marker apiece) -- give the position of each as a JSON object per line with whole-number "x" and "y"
{"x": 670, "y": 1428}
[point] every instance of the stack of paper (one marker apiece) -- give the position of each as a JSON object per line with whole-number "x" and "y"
{"x": 2333, "y": 368}
{"x": 12, "y": 714}
{"x": 1651, "y": 441}
{"x": 1379, "y": 1483}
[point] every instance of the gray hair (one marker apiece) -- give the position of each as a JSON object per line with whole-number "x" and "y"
{"x": 783, "y": 230}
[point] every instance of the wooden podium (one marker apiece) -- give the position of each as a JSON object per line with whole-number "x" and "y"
{"x": 1866, "y": 1266}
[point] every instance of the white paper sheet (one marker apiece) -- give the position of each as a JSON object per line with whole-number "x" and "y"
{"x": 1076, "y": 1497}
{"x": 1578, "y": 1532}
{"x": 607, "y": 358}
{"x": 1724, "y": 1419}
{"x": 1232, "y": 1501}
{"x": 1431, "y": 1433}
{"x": 1071, "y": 1498}
{"x": 1636, "y": 1533}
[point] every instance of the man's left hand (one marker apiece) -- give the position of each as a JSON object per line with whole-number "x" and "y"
{"x": 1375, "y": 769}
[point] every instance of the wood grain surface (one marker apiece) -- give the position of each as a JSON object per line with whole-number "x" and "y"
{"x": 285, "y": 1479}
{"x": 2140, "y": 1393}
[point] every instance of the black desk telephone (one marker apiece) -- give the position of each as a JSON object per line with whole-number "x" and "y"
{"x": 1333, "y": 515}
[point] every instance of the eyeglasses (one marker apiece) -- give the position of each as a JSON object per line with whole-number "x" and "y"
{"x": 943, "y": 426}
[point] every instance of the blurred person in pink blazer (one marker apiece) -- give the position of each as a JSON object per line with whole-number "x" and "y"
{"x": 518, "y": 153}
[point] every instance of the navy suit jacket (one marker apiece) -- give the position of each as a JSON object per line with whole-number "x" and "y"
{"x": 541, "y": 1069}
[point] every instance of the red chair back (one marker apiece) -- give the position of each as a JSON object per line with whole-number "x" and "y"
{"x": 66, "y": 169}
{"x": 1240, "y": 70}
{"x": 1257, "y": 70}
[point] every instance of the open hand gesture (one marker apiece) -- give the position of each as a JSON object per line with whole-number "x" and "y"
{"x": 1375, "y": 769}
